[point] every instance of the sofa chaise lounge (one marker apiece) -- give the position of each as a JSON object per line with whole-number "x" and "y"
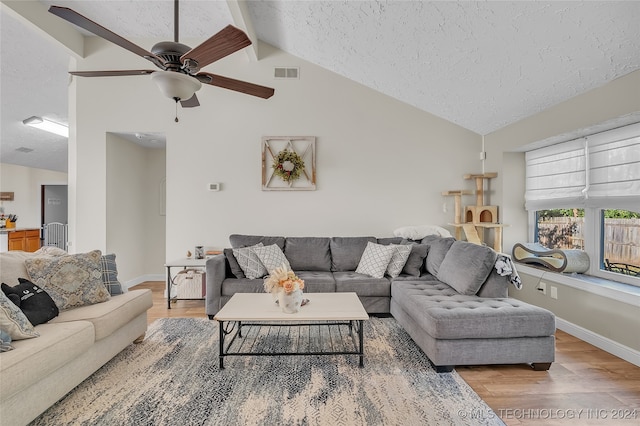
{"x": 451, "y": 296}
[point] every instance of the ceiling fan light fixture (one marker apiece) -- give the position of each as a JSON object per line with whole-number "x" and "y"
{"x": 47, "y": 125}
{"x": 176, "y": 85}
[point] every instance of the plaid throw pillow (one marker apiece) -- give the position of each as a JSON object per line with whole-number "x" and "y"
{"x": 110, "y": 274}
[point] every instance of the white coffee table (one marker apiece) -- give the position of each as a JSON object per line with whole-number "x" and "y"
{"x": 323, "y": 309}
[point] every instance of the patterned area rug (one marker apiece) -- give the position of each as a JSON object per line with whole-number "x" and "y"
{"x": 172, "y": 378}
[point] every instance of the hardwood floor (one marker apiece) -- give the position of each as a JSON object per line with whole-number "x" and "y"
{"x": 584, "y": 386}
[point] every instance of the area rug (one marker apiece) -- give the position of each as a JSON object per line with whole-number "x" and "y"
{"x": 172, "y": 378}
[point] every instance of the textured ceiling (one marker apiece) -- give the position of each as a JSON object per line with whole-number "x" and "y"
{"x": 482, "y": 65}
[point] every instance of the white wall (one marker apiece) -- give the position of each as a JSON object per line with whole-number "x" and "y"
{"x": 620, "y": 98}
{"x": 135, "y": 228}
{"x": 25, "y": 183}
{"x": 600, "y": 318}
{"x": 381, "y": 164}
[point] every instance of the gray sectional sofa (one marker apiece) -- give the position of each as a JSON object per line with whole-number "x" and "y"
{"x": 449, "y": 297}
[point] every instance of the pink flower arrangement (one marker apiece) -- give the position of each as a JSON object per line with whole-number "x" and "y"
{"x": 283, "y": 279}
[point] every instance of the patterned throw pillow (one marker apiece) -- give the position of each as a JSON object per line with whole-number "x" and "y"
{"x": 271, "y": 257}
{"x": 400, "y": 255}
{"x": 5, "y": 342}
{"x": 249, "y": 262}
{"x": 110, "y": 274}
{"x": 14, "y": 321}
{"x": 72, "y": 280}
{"x": 375, "y": 259}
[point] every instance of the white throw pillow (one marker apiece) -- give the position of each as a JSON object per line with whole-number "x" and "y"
{"x": 272, "y": 257}
{"x": 419, "y": 232}
{"x": 249, "y": 262}
{"x": 375, "y": 259}
{"x": 398, "y": 260}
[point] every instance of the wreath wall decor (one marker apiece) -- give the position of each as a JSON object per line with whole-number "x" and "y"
{"x": 288, "y": 163}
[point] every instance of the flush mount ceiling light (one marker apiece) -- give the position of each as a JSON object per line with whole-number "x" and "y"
{"x": 47, "y": 126}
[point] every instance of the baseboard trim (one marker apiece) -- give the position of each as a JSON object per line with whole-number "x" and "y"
{"x": 139, "y": 280}
{"x": 628, "y": 354}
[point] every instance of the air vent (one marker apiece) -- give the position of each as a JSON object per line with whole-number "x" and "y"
{"x": 24, "y": 149}
{"x": 281, "y": 72}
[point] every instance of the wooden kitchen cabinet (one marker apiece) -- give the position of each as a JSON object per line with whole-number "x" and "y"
{"x": 25, "y": 240}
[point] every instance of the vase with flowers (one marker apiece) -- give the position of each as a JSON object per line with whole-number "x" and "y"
{"x": 286, "y": 288}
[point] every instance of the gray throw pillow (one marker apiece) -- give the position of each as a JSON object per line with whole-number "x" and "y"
{"x": 415, "y": 262}
{"x": 236, "y": 270}
{"x": 308, "y": 253}
{"x": 438, "y": 248}
{"x": 238, "y": 240}
{"x": 346, "y": 252}
{"x": 466, "y": 266}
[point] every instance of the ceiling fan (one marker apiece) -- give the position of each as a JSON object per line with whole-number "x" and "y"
{"x": 180, "y": 76}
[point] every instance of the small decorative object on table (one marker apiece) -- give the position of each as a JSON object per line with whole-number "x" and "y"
{"x": 286, "y": 288}
{"x": 199, "y": 252}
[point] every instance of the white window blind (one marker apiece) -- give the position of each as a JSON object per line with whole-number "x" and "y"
{"x": 614, "y": 169}
{"x": 555, "y": 176}
{"x": 601, "y": 170}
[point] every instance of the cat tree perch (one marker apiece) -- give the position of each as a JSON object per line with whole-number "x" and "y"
{"x": 476, "y": 218}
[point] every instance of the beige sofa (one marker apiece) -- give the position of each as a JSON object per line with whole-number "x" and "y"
{"x": 72, "y": 346}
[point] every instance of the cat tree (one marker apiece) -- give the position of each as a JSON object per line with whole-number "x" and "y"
{"x": 479, "y": 217}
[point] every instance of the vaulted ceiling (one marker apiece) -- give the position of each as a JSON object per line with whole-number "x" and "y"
{"x": 481, "y": 65}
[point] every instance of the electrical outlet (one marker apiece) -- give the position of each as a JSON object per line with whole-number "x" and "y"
{"x": 542, "y": 287}
{"x": 554, "y": 292}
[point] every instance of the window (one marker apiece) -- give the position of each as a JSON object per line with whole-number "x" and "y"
{"x": 620, "y": 242}
{"x": 585, "y": 194}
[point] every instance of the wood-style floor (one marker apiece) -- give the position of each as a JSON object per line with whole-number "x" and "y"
{"x": 584, "y": 386}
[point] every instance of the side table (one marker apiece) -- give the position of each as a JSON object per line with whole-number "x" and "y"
{"x": 183, "y": 263}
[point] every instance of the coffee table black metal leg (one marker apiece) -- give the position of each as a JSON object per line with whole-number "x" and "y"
{"x": 361, "y": 338}
{"x": 222, "y": 334}
{"x": 168, "y": 287}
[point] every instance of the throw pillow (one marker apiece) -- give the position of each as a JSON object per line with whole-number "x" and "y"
{"x": 14, "y": 321}
{"x": 236, "y": 270}
{"x": 249, "y": 262}
{"x": 72, "y": 280}
{"x": 466, "y": 266}
{"x": 110, "y": 274}
{"x": 271, "y": 257}
{"x": 438, "y": 248}
{"x": 50, "y": 251}
{"x": 346, "y": 252}
{"x": 33, "y": 301}
{"x": 398, "y": 259}
{"x": 415, "y": 262}
{"x": 375, "y": 259}
{"x": 5, "y": 342}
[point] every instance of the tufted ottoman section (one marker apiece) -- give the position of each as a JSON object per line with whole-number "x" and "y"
{"x": 445, "y": 314}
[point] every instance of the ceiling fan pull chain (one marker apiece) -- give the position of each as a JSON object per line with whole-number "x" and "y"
{"x": 176, "y": 99}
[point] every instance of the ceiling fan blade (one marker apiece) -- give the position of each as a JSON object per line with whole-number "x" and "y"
{"x": 75, "y": 18}
{"x": 113, "y": 73}
{"x": 237, "y": 85}
{"x": 191, "y": 102}
{"x": 228, "y": 40}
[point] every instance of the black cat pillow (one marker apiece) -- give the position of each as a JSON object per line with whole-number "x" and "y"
{"x": 32, "y": 300}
